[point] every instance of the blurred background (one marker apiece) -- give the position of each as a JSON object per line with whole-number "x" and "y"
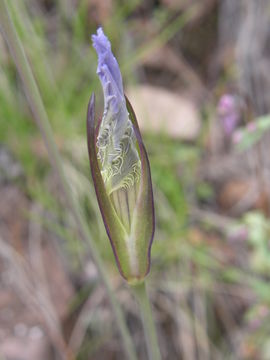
{"x": 198, "y": 75}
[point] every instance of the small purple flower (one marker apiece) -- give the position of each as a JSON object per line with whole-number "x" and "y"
{"x": 237, "y": 136}
{"x": 238, "y": 234}
{"x": 111, "y": 79}
{"x": 120, "y": 170}
{"x": 251, "y": 126}
{"x": 229, "y": 113}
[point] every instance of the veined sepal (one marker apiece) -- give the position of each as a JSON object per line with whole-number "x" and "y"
{"x": 131, "y": 244}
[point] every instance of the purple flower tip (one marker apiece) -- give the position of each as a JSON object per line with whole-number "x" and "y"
{"x": 108, "y": 72}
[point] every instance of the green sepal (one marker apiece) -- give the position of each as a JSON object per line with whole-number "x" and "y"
{"x": 114, "y": 228}
{"x": 142, "y": 226}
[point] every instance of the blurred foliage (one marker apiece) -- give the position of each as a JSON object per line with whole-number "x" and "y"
{"x": 187, "y": 253}
{"x": 251, "y": 134}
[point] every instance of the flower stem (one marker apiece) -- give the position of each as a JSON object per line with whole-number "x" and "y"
{"x": 41, "y": 118}
{"x": 148, "y": 322}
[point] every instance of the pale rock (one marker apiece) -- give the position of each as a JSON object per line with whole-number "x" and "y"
{"x": 161, "y": 111}
{"x": 14, "y": 348}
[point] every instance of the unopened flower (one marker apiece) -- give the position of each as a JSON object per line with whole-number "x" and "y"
{"x": 120, "y": 170}
{"x": 229, "y": 113}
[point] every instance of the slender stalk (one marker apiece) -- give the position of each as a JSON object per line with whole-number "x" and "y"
{"x": 148, "y": 322}
{"x": 41, "y": 118}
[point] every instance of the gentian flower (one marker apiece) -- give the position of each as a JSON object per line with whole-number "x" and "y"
{"x": 120, "y": 170}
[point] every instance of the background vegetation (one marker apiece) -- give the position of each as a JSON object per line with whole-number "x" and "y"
{"x": 209, "y": 281}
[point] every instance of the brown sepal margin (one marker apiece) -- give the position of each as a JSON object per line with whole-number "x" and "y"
{"x": 96, "y": 174}
{"x": 145, "y": 171}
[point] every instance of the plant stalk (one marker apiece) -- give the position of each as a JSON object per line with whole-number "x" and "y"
{"x": 149, "y": 328}
{"x": 40, "y": 116}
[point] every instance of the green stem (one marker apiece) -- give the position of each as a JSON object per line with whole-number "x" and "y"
{"x": 34, "y": 98}
{"x": 148, "y": 322}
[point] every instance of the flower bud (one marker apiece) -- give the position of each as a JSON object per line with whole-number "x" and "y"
{"x": 120, "y": 170}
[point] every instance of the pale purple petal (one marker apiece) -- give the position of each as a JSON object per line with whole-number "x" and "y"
{"x": 116, "y": 141}
{"x": 108, "y": 72}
